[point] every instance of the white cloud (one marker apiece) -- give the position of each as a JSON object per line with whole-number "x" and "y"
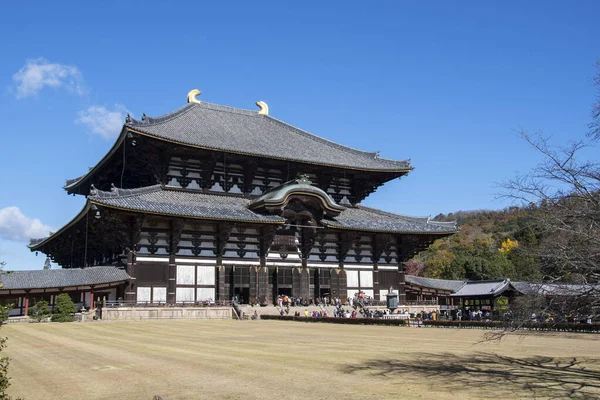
{"x": 14, "y": 225}
{"x": 103, "y": 121}
{"x": 39, "y": 73}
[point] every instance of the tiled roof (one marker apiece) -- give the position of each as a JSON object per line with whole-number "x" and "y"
{"x": 60, "y": 278}
{"x": 484, "y": 288}
{"x": 561, "y": 289}
{"x": 371, "y": 219}
{"x": 440, "y": 284}
{"x": 235, "y": 130}
{"x": 156, "y": 200}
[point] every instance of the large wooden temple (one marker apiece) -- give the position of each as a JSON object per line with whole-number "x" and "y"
{"x": 210, "y": 202}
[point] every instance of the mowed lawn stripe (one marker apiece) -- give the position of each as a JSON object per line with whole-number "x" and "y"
{"x": 229, "y": 359}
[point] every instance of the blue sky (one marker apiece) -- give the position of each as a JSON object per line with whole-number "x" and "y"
{"x": 444, "y": 84}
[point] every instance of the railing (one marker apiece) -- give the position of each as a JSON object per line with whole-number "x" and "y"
{"x": 422, "y": 303}
{"x": 236, "y": 310}
{"x": 117, "y": 303}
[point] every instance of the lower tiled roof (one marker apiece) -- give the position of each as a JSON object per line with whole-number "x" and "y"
{"x": 440, "y": 284}
{"x": 371, "y": 219}
{"x": 60, "y": 278}
{"x": 168, "y": 201}
{"x": 484, "y": 288}
{"x": 158, "y": 200}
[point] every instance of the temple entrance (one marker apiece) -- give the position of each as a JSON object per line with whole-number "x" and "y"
{"x": 284, "y": 292}
{"x": 322, "y": 283}
{"x": 242, "y": 295}
{"x": 239, "y": 283}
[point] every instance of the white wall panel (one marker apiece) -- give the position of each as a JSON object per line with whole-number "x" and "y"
{"x": 185, "y": 274}
{"x": 206, "y": 294}
{"x": 352, "y": 278}
{"x": 184, "y": 294}
{"x": 159, "y": 295}
{"x": 143, "y": 294}
{"x": 206, "y": 275}
{"x": 366, "y": 279}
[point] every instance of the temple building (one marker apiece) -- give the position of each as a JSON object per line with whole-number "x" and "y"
{"x": 211, "y": 202}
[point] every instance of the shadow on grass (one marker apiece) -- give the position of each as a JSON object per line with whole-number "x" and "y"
{"x": 546, "y": 377}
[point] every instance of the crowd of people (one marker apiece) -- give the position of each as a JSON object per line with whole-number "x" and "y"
{"x": 288, "y": 301}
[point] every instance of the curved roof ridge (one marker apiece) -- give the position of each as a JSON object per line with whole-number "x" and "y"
{"x": 368, "y": 154}
{"x": 186, "y": 108}
{"x": 145, "y": 121}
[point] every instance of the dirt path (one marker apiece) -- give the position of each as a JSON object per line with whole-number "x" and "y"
{"x": 292, "y": 360}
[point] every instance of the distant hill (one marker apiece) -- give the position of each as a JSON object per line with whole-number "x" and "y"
{"x": 490, "y": 245}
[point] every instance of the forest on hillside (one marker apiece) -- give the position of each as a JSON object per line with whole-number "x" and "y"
{"x": 553, "y": 237}
{"x": 490, "y": 245}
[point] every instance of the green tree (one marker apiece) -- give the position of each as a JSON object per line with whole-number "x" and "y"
{"x": 63, "y": 309}
{"x": 40, "y": 311}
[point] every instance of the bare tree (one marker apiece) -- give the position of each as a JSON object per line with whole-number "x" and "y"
{"x": 563, "y": 195}
{"x": 594, "y": 126}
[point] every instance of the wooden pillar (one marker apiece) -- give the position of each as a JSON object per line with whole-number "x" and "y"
{"x": 402, "y": 284}
{"x": 26, "y": 313}
{"x": 172, "y": 276}
{"x": 91, "y": 297}
{"x": 221, "y": 295}
{"x": 343, "y": 284}
{"x": 130, "y": 290}
{"x": 253, "y": 287}
{"x": 275, "y": 287}
{"x": 301, "y": 283}
{"x": 376, "y": 253}
{"x": 264, "y": 295}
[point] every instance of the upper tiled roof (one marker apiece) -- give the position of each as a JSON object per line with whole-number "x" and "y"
{"x": 440, "y": 284}
{"x": 371, "y": 219}
{"x": 241, "y": 131}
{"x": 60, "y": 278}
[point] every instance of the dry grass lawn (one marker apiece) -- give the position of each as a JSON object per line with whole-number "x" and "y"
{"x": 292, "y": 360}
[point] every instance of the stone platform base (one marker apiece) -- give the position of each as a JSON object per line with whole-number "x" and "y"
{"x": 142, "y": 313}
{"x": 418, "y": 309}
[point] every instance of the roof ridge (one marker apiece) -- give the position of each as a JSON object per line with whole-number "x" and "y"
{"x": 145, "y": 121}
{"x": 65, "y": 270}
